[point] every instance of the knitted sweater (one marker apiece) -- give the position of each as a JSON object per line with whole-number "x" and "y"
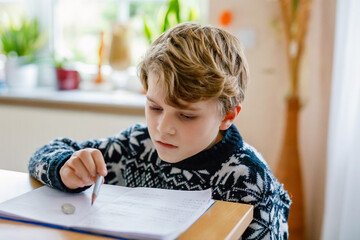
{"x": 233, "y": 169}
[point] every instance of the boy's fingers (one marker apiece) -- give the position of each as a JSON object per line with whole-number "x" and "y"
{"x": 70, "y": 179}
{"x": 88, "y": 161}
{"x": 99, "y": 162}
{"x": 74, "y": 182}
{"x": 80, "y": 170}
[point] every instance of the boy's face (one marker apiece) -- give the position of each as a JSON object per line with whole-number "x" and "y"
{"x": 180, "y": 133}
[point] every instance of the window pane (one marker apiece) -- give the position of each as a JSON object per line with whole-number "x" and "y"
{"x": 79, "y": 23}
{"x": 10, "y": 11}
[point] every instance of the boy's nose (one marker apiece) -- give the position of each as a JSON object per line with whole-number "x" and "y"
{"x": 165, "y": 125}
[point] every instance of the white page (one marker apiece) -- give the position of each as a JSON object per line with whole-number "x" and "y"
{"x": 44, "y": 204}
{"x": 118, "y": 211}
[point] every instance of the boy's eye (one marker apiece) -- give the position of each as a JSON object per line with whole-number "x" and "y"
{"x": 188, "y": 117}
{"x": 154, "y": 108}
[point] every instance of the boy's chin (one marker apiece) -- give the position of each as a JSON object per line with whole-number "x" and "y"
{"x": 169, "y": 159}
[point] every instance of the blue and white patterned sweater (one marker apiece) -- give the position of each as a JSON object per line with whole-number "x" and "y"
{"x": 233, "y": 169}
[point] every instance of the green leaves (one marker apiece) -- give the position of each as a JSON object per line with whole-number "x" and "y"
{"x": 23, "y": 39}
{"x": 172, "y": 11}
{"x": 147, "y": 30}
{"x": 172, "y": 16}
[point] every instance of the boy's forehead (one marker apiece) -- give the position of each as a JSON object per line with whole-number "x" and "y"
{"x": 156, "y": 91}
{"x": 156, "y": 94}
{"x": 155, "y": 86}
{"x": 153, "y": 79}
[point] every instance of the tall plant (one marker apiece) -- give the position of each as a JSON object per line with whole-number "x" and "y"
{"x": 295, "y": 18}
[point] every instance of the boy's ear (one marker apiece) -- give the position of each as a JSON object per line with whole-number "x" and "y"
{"x": 230, "y": 118}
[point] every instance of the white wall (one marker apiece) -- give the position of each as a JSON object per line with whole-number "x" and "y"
{"x": 23, "y": 129}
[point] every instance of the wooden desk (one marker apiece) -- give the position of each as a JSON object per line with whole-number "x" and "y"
{"x": 224, "y": 220}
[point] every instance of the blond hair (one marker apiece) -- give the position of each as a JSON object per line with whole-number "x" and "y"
{"x": 196, "y": 63}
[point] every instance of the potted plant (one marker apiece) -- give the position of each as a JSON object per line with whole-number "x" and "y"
{"x": 20, "y": 42}
{"x": 67, "y": 79}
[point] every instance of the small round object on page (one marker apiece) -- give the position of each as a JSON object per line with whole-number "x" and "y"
{"x": 68, "y": 208}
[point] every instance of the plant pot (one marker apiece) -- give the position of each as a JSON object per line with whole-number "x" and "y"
{"x": 67, "y": 79}
{"x": 19, "y": 74}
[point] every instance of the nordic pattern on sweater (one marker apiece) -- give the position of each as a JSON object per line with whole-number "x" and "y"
{"x": 233, "y": 169}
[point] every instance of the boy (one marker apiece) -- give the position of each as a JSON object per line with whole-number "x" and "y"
{"x": 195, "y": 79}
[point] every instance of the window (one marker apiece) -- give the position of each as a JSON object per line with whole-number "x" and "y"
{"x": 73, "y": 28}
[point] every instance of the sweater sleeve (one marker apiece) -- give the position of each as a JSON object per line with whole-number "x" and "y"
{"x": 271, "y": 202}
{"x": 271, "y": 209}
{"x": 46, "y": 162}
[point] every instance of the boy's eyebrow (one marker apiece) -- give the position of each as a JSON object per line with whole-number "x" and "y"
{"x": 150, "y": 99}
{"x": 184, "y": 108}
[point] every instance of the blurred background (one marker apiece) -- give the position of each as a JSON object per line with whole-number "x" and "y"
{"x": 68, "y": 68}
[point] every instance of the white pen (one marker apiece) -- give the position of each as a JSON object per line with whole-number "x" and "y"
{"x": 96, "y": 190}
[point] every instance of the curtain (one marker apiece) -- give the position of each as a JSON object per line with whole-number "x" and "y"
{"x": 342, "y": 193}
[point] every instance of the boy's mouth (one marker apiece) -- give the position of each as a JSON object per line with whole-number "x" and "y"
{"x": 166, "y": 145}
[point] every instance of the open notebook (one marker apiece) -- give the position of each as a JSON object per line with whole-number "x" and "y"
{"x": 145, "y": 213}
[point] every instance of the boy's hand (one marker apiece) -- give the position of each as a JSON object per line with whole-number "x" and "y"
{"x": 82, "y": 168}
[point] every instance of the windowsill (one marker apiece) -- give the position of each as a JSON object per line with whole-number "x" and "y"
{"x": 118, "y": 101}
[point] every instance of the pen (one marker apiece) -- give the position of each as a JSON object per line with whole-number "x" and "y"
{"x": 96, "y": 190}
